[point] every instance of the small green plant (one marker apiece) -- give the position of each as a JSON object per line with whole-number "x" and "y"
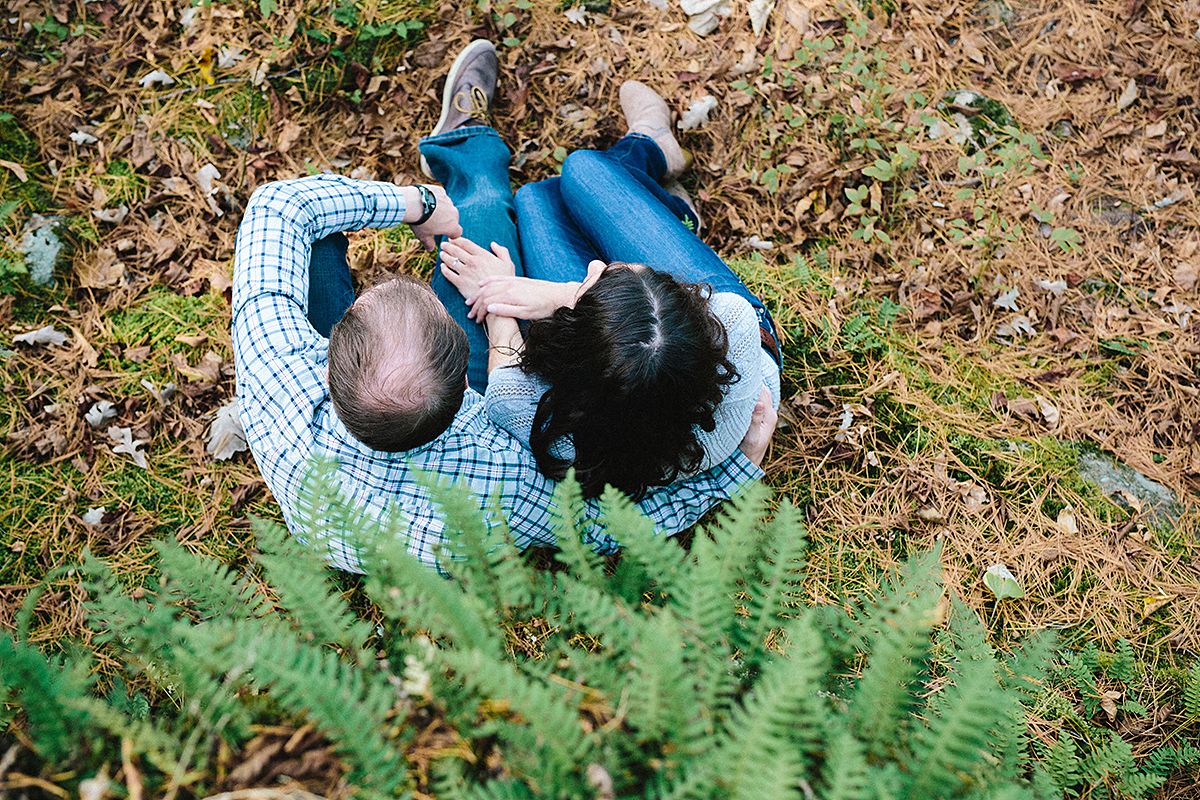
{"x": 673, "y": 674}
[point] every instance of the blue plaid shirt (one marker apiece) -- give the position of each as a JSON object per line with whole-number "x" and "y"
{"x": 290, "y": 420}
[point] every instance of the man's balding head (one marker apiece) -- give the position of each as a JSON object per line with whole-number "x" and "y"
{"x": 397, "y": 366}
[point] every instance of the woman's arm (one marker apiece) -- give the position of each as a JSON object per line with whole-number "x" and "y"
{"x": 504, "y": 342}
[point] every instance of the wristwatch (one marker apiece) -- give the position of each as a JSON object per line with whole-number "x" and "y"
{"x": 428, "y": 204}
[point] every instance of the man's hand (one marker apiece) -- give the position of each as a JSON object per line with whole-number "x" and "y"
{"x": 465, "y": 264}
{"x": 520, "y": 298}
{"x": 444, "y": 221}
{"x": 762, "y": 427}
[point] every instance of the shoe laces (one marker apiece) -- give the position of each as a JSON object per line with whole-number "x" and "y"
{"x": 473, "y": 103}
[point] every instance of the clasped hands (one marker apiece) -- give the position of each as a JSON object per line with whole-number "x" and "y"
{"x": 489, "y": 284}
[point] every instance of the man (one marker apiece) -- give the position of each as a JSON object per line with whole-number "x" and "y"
{"x": 378, "y": 383}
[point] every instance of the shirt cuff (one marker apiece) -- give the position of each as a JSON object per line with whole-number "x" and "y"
{"x": 387, "y": 202}
{"x": 740, "y": 470}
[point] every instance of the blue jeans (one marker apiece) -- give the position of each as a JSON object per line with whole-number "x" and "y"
{"x": 472, "y": 163}
{"x": 608, "y": 205}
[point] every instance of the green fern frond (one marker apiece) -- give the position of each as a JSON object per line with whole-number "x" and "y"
{"x": 771, "y": 736}
{"x": 544, "y": 710}
{"x": 1123, "y": 666}
{"x": 661, "y": 698}
{"x": 661, "y": 560}
{"x": 301, "y": 581}
{"x": 844, "y": 774}
{"x": 157, "y": 641}
{"x": 885, "y": 695}
{"x": 707, "y": 602}
{"x": 951, "y": 747}
{"x": 410, "y": 592}
{"x": 207, "y": 583}
{"x": 777, "y": 585}
{"x": 1137, "y": 785}
{"x": 570, "y": 528}
{"x": 1166, "y": 759}
{"x": 51, "y": 694}
{"x": 1113, "y": 759}
{"x": 348, "y": 704}
{"x": 481, "y": 552}
{"x": 1191, "y": 692}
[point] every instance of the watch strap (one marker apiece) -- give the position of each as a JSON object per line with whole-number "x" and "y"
{"x": 428, "y": 204}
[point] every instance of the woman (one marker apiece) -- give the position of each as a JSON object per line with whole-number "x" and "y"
{"x": 646, "y": 356}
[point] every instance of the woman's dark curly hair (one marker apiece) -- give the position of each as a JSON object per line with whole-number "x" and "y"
{"x": 633, "y": 369}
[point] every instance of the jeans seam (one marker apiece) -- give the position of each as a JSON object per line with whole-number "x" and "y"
{"x": 458, "y": 134}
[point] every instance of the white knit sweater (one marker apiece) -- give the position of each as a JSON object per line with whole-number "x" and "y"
{"x": 512, "y": 396}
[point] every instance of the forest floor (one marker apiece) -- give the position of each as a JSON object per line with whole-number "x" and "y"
{"x": 976, "y": 223}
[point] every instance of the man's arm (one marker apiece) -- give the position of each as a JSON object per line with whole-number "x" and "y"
{"x": 280, "y": 358}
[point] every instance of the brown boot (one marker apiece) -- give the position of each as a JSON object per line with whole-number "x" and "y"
{"x": 470, "y": 89}
{"x": 647, "y": 113}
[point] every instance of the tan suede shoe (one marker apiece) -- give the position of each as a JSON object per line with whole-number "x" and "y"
{"x": 647, "y": 113}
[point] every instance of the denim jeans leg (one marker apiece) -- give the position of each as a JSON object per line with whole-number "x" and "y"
{"x": 472, "y": 164}
{"x": 553, "y": 248}
{"x": 330, "y": 289}
{"x": 628, "y": 221}
{"x": 644, "y": 160}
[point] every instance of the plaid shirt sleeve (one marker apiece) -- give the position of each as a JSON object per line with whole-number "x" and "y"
{"x": 681, "y": 505}
{"x": 280, "y": 358}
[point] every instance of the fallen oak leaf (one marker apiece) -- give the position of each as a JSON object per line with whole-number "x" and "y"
{"x": 128, "y": 445}
{"x": 44, "y": 335}
{"x": 101, "y": 412}
{"x": 155, "y": 78}
{"x": 226, "y": 437}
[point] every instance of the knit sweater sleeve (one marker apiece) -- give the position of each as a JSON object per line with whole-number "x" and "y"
{"x": 511, "y": 400}
{"x": 745, "y": 347}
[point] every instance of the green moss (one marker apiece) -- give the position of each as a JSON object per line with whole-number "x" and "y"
{"x": 156, "y": 321}
{"x": 163, "y": 315}
{"x": 122, "y": 184}
{"x": 19, "y": 146}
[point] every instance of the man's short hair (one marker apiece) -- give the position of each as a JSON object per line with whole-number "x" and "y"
{"x": 397, "y": 366}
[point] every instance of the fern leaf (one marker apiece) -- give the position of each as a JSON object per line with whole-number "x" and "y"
{"x": 884, "y": 696}
{"x": 661, "y": 560}
{"x": 346, "y": 703}
{"x": 207, "y": 583}
{"x": 780, "y": 723}
{"x": 482, "y": 555}
{"x": 50, "y": 693}
{"x": 300, "y": 579}
{"x": 567, "y": 514}
{"x": 778, "y": 584}
{"x": 845, "y": 772}
{"x": 1191, "y": 692}
{"x": 408, "y": 591}
{"x": 952, "y": 745}
{"x": 560, "y": 740}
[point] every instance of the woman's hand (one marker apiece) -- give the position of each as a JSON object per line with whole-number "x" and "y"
{"x": 465, "y": 264}
{"x": 762, "y": 427}
{"x": 520, "y": 298}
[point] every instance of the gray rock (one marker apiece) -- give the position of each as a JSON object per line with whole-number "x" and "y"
{"x": 1113, "y": 478}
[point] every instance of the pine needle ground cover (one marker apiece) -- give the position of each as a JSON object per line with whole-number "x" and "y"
{"x": 976, "y": 223}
